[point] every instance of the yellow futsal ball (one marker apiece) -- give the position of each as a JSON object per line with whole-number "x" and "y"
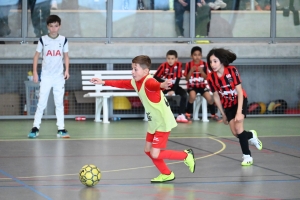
{"x": 89, "y": 175}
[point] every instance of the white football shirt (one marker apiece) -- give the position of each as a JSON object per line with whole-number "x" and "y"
{"x": 52, "y": 52}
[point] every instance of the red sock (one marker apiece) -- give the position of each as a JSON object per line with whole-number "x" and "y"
{"x": 172, "y": 155}
{"x": 160, "y": 165}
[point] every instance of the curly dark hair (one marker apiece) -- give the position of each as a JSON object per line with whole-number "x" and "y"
{"x": 224, "y": 55}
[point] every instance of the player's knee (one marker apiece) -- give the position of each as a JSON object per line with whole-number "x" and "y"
{"x": 192, "y": 99}
{"x": 210, "y": 100}
{"x": 146, "y": 149}
{"x": 154, "y": 154}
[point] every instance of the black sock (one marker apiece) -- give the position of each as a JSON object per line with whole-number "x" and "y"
{"x": 189, "y": 107}
{"x": 212, "y": 109}
{"x": 244, "y": 143}
{"x": 249, "y": 134}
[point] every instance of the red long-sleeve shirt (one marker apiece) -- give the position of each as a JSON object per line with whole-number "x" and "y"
{"x": 152, "y": 87}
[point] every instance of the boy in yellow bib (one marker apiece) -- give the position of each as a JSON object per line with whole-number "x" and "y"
{"x": 158, "y": 111}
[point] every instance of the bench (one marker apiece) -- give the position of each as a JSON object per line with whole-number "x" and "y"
{"x": 102, "y": 93}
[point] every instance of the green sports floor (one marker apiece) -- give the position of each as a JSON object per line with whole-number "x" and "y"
{"x": 47, "y": 167}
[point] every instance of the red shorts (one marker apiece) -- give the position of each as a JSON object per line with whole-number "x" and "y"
{"x": 158, "y": 139}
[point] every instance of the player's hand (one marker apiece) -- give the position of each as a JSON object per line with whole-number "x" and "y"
{"x": 202, "y": 3}
{"x": 35, "y": 77}
{"x": 166, "y": 84}
{"x": 67, "y": 75}
{"x": 194, "y": 68}
{"x": 183, "y": 3}
{"x": 201, "y": 68}
{"x": 239, "y": 117}
{"x": 224, "y": 118}
{"x": 96, "y": 81}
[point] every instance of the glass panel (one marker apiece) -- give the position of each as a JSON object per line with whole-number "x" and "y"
{"x": 287, "y": 19}
{"x": 157, "y": 19}
{"x": 10, "y": 18}
{"x": 239, "y": 18}
{"x": 80, "y": 18}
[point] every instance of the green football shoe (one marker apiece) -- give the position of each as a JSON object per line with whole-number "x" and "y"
{"x": 163, "y": 178}
{"x": 190, "y": 160}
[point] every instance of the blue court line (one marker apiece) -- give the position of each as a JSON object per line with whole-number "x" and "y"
{"x": 286, "y": 145}
{"x": 24, "y": 184}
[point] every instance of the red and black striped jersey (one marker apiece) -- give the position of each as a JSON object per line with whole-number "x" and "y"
{"x": 165, "y": 71}
{"x": 225, "y": 85}
{"x": 196, "y": 80}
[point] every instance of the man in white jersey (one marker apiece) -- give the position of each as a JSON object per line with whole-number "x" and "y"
{"x": 54, "y": 49}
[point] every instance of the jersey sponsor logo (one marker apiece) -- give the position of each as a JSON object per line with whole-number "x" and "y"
{"x": 173, "y": 81}
{"x": 53, "y": 53}
{"x": 226, "y": 93}
{"x": 225, "y": 86}
{"x": 199, "y": 79}
{"x": 228, "y": 75}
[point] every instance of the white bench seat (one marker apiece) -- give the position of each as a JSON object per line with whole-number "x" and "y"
{"x": 102, "y": 93}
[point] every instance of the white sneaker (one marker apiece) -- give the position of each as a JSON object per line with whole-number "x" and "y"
{"x": 255, "y": 141}
{"x": 247, "y": 160}
{"x": 220, "y": 3}
{"x": 182, "y": 119}
{"x": 180, "y": 36}
{"x": 213, "y": 6}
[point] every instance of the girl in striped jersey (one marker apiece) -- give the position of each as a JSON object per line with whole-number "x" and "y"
{"x": 225, "y": 83}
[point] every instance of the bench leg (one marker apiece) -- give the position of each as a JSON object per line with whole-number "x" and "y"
{"x": 99, "y": 102}
{"x": 105, "y": 110}
{"x": 204, "y": 110}
{"x": 197, "y": 104}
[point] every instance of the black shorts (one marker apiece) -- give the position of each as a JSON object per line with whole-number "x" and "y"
{"x": 231, "y": 112}
{"x": 198, "y": 90}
